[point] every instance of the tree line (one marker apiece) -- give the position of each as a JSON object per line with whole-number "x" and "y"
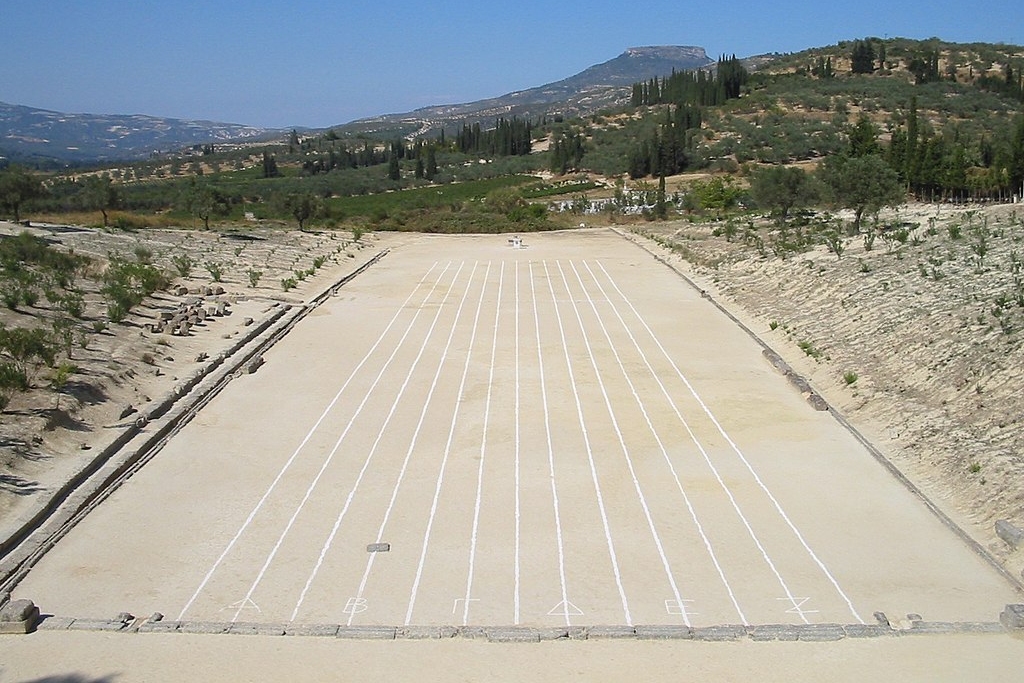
{"x": 668, "y": 150}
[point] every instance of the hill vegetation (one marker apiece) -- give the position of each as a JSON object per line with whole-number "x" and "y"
{"x": 944, "y": 118}
{"x": 768, "y": 172}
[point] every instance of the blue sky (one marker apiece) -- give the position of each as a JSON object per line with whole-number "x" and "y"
{"x": 280, "y": 63}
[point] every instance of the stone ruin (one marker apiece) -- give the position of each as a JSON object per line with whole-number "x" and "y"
{"x": 187, "y": 315}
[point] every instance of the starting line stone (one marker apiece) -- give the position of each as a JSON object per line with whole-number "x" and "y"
{"x": 667, "y": 632}
{"x": 1012, "y": 618}
{"x": 19, "y": 616}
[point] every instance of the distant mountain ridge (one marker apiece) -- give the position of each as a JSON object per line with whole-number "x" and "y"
{"x": 598, "y": 87}
{"x": 40, "y": 134}
{"x": 28, "y": 134}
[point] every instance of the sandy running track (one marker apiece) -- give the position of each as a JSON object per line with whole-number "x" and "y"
{"x": 565, "y": 434}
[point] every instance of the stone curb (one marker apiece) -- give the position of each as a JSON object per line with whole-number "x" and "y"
{"x": 530, "y": 634}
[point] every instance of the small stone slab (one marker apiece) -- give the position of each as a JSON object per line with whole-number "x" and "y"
{"x": 55, "y": 623}
{"x": 97, "y": 625}
{"x": 367, "y": 632}
{"x": 578, "y": 632}
{"x": 427, "y": 632}
{"x": 378, "y": 548}
{"x": 820, "y": 633}
{"x": 719, "y": 633}
{"x": 1012, "y": 618}
{"x": 554, "y": 633}
{"x": 611, "y": 632}
{"x": 817, "y": 402}
{"x": 256, "y": 629}
{"x": 664, "y": 632}
{"x": 319, "y": 630}
{"x": 473, "y": 632}
{"x": 867, "y": 630}
{"x": 204, "y": 627}
{"x": 513, "y": 634}
{"x": 1011, "y": 534}
{"x": 159, "y": 626}
{"x": 768, "y": 632}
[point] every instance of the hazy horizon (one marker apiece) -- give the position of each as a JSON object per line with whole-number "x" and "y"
{"x": 310, "y": 64}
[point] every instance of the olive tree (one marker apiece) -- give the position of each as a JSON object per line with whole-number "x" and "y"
{"x": 863, "y": 184}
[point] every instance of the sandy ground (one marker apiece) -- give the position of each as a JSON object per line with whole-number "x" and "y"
{"x": 956, "y": 587}
{"x": 119, "y": 658}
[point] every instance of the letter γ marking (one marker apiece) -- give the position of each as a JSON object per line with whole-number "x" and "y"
{"x": 455, "y": 605}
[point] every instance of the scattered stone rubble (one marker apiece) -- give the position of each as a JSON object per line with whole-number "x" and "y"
{"x": 193, "y": 312}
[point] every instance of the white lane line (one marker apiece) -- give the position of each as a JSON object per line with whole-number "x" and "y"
{"x": 329, "y": 541}
{"x": 551, "y": 456}
{"x": 590, "y": 456}
{"x": 654, "y": 432}
{"x": 419, "y": 425}
{"x": 739, "y": 453}
{"x": 728, "y": 492}
{"x": 483, "y": 445}
{"x": 316, "y": 425}
{"x": 656, "y": 537}
{"x": 323, "y": 468}
{"x": 447, "y": 453}
{"x": 516, "y": 586}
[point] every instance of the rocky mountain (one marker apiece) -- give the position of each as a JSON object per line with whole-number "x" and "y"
{"x": 598, "y": 87}
{"x": 40, "y": 135}
{"x": 50, "y": 137}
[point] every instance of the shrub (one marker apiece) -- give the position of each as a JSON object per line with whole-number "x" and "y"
{"x": 809, "y": 349}
{"x": 183, "y": 263}
{"x": 849, "y": 377}
{"x": 216, "y": 270}
{"x": 127, "y": 283}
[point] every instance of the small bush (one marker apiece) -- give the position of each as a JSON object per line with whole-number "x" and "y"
{"x": 849, "y": 377}
{"x": 809, "y": 349}
{"x": 216, "y": 270}
{"x": 183, "y": 263}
